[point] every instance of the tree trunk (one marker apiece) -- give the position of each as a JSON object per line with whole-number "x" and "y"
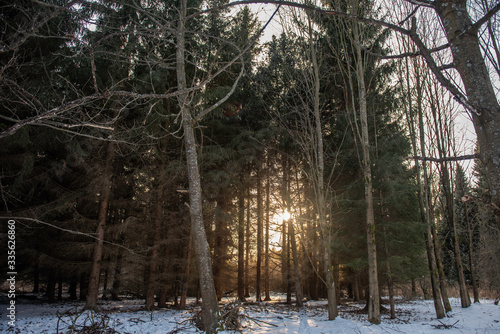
{"x": 426, "y": 214}
{"x": 320, "y": 188}
{"x": 266, "y": 243}
{"x": 51, "y": 286}
{"x": 247, "y": 246}
{"x": 59, "y": 285}
{"x": 439, "y": 264}
{"x": 423, "y": 190}
{"x": 258, "y": 276}
{"x": 115, "y": 288}
{"x": 390, "y": 284}
{"x": 449, "y": 205}
{"x": 95, "y": 271}
{"x": 299, "y": 295}
{"x": 374, "y": 296}
{"x": 284, "y": 257}
{"x": 84, "y": 284}
{"x": 241, "y": 247}
{"x": 222, "y": 236}
{"x": 210, "y": 311}
{"x": 289, "y": 267}
{"x": 355, "y": 288}
{"x": 154, "y": 259}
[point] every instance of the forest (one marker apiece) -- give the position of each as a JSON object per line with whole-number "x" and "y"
{"x": 164, "y": 149}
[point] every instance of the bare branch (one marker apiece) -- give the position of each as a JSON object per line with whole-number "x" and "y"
{"x": 409, "y": 16}
{"x": 408, "y": 54}
{"x": 70, "y": 231}
{"x": 457, "y": 94}
{"x": 225, "y": 98}
{"x": 486, "y": 17}
{"x": 459, "y": 158}
{"x": 446, "y": 67}
{"x": 424, "y": 3}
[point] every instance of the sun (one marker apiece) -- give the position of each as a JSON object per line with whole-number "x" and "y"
{"x": 275, "y": 235}
{"x": 280, "y": 217}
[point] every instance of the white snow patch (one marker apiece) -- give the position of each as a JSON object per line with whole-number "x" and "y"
{"x": 128, "y": 316}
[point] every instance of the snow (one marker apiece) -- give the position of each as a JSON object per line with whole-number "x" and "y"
{"x": 129, "y": 316}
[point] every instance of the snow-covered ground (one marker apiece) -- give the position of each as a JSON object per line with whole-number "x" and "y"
{"x": 128, "y": 316}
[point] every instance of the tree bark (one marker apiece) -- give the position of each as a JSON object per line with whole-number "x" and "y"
{"x": 210, "y": 311}
{"x": 247, "y": 246}
{"x": 422, "y": 182}
{"x": 320, "y": 189}
{"x": 390, "y": 283}
{"x": 449, "y": 206}
{"x": 115, "y": 288}
{"x": 374, "y": 296}
{"x": 154, "y": 260}
{"x": 425, "y": 206}
{"x": 241, "y": 247}
{"x": 258, "y": 277}
{"x": 266, "y": 242}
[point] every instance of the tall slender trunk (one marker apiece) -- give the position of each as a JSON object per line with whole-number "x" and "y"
{"x": 284, "y": 237}
{"x": 210, "y": 311}
{"x": 247, "y": 246}
{"x": 423, "y": 186}
{"x": 289, "y": 267}
{"x": 115, "y": 287}
{"x": 449, "y": 205}
{"x": 163, "y": 279}
{"x": 425, "y": 209}
{"x": 258, "y": 277}
{"x": 284, "y": 258}
{"x": 154, "y": 259}
{"x": 390, "y": 282}
{"x": 241, "y": 246}
{"x": 320, "y": 189}
{"x": 266, "y": 242}
{"x": 95, "y": 271}
{"x": 293, "y": 251}
{"x": 439, "y": 263}
{"x": 374, "y": 296}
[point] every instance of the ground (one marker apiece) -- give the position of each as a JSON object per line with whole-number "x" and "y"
{"x": 129, "y": 316}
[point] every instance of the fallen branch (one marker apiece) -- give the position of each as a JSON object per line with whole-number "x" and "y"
{"x": 258, "y": 320}
{"x": 445, "y": 326}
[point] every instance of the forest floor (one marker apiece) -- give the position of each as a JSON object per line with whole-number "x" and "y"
{"x": 129, "y": 316}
